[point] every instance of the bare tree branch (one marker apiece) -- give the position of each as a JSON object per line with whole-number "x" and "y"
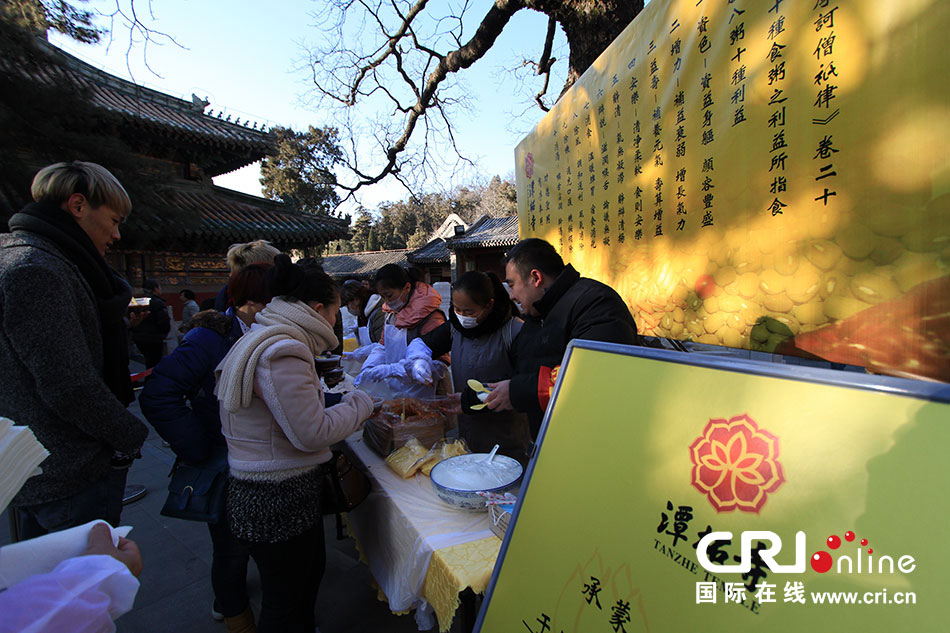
{"x": 545, "y": 63}
{"x": 463, "y": 57}
{"x": 405, "y": 56}
{"x": 129, "y": 18}
{"x": 390, "y": 49}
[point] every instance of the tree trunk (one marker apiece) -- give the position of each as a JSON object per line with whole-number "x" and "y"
{"x": 590, "y": 26}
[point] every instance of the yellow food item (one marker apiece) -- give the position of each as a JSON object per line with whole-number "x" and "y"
{"x": 748, "y": 285}
{"x": 439, "y": 453}
{"x": 405, "y": 460}
{"x": 725, "y": 276}
{"x": 823, "y": 254}
{"x": 874, "y": 288}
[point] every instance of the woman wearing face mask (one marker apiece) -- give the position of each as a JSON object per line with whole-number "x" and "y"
{"x": 481, "y": 328}
{"x": 368, "y": 309}
{"x": 412, "y": 309}
{"x": 278, "y": 431}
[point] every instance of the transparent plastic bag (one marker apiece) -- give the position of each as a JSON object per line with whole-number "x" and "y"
{"x": 405, "y": 460}
{"x": 440, "y": 451}
{"x": 400, "y": 419}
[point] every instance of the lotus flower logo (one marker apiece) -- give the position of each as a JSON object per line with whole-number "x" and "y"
{"x": 735, "y": 464}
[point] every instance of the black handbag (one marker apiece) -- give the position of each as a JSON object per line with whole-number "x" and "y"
{"x": 197, "y": 492}
{"x": 344, "y": 485}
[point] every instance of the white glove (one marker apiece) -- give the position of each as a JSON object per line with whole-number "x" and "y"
{"x": 419, "y": 358}
{"x": 420, "y": 371}
{"x": 381, "y": 372}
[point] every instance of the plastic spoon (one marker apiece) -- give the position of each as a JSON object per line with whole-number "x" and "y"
{"x": 491, "y": 455}
{"x": 474, "y": 385}
{"x": 477, "y": 387}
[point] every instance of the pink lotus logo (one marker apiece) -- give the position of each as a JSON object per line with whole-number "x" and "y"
{"x": 735, "y": 464}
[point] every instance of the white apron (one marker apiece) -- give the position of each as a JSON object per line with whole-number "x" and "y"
{"x": 395, "y": 347}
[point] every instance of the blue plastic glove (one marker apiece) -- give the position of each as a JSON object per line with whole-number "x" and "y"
{"x": 381, "y": 372}
{"x": 375, "y": 357}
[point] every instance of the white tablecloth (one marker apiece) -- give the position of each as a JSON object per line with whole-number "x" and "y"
{"x": 401, "y": 523}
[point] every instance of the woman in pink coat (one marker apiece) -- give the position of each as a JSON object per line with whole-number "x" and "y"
{"x": 279, "y": 432}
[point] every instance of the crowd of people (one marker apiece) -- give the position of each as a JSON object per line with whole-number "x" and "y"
{"x": 241, "y": 388}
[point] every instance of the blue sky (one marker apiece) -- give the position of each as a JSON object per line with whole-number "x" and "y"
{"x": 242, "y": 58}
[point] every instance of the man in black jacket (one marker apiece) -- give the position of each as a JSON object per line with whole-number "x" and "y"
{"x": 149, "y": 335}
{"x": 559, "y": 305}
{"x": 64, "y": 366}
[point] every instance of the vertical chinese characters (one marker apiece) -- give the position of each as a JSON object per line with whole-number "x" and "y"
{"x": 778, "y": 154}
{"x": 826, "y": 82}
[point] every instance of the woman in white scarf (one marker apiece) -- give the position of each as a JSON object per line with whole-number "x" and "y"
{"x": 279, "y": 432}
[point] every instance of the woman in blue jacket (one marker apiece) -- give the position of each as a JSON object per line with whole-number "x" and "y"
{"x": 179, "y": 401}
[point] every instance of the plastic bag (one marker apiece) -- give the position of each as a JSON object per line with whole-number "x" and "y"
{"x": 401, "y": 419}
{"x": 353, "y": 361}
{"x": 405, "y": 460}
{"x": 441, "y": 451}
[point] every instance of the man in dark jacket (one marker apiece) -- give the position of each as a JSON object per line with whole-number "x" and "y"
{"x": 559, "y": 306}
{"x": 64, "y": 367}
{"x": 149, "y": 335}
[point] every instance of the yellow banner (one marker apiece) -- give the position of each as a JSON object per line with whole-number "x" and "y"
{"x": 770, "y": 175}
{"x": 628, "y": 481}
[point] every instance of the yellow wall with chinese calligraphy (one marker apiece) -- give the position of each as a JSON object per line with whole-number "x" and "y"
{"x": 765, "y": 175}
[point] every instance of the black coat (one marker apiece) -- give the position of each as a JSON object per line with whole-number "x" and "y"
{"x": 51, "y": 368}
{"x": 155, "y": 327}
{"x": 573, "y": 307}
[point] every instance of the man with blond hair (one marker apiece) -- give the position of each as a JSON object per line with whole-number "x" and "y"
{"x": 239, "y": 257}
{"x": 64, "y": 367}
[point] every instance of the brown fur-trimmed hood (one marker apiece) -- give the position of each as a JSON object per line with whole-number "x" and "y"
{"x": 213, "y": 320}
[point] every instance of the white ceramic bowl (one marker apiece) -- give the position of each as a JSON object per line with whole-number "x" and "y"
{"x": 458, "y": 480}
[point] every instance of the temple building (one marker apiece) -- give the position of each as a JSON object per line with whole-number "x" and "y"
{"x": 181, "y": 223}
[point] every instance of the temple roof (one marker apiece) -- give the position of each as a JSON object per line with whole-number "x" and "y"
{"x": 217, "y": 216}
{"x": 172, "y": 210}
{"x": 233, "y": 145}
{"x": 364, "y": 264}
{"x": 435, "y": 252}
{"x": 486, "y": 233}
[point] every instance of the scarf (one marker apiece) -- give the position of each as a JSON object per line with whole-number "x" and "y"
{"x": 111, "y": 292}
{"x": 280, "y": 320}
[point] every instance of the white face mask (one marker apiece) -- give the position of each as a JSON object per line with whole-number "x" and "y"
{"x": 466, "y": 321}
{"x": 396, "y": 305}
